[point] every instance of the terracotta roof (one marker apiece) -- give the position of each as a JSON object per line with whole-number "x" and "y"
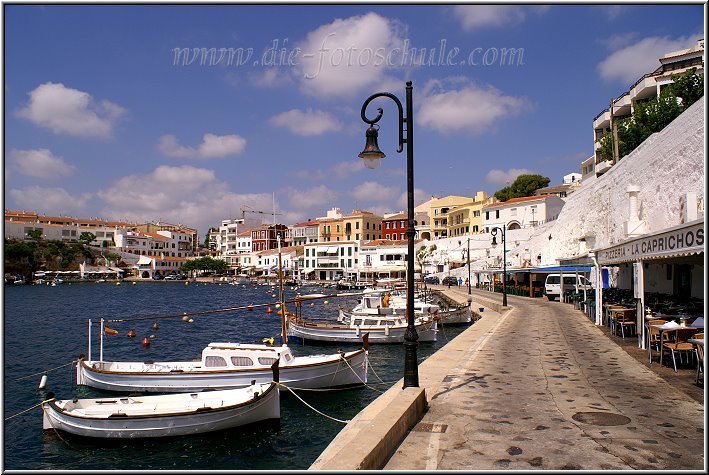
{"x": 396, "y": 217}
{"x": 313, "y": 222}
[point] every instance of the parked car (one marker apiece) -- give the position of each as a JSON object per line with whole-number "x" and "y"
{"x": 432, "y": 279}
{"x": 171, "y": 277}
{"x": 157, "y": 277}
{"x": 450, "y": 280}
{"x": 181, "y": 276}
{"x": 552, "y": 285}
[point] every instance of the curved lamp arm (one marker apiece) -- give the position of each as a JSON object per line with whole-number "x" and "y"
{"x": 380, "y": 112}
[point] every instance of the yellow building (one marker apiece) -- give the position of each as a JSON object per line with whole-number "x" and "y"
{"x": 440, "y": 209}
{"x": 466, "y": 218}
{"x": 362, "y": 225}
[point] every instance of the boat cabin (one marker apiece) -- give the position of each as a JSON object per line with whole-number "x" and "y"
{"x": 238, "y": 355}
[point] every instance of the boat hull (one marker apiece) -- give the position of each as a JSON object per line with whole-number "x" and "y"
{"x": 334, "y": 372}
{"x": 161, "y": 416}
{"x": 459, "y": 315}
{"x": 305, "y": 331}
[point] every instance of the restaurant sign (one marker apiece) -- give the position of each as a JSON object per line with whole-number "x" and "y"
{"x": 681, "y": 240}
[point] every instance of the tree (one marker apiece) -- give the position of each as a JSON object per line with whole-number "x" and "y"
{"x": 422, "y": 255}
{"x": 655, "y": 114}
{"x": 524, "y": 185}
{"x": 35, "y": 234}
{"x": 87, "y": 237}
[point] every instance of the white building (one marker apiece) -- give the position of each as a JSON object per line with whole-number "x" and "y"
{"x": 384, "y": 258}
{"x": 229, "y": 230}
{"x": 526, "y": 211}
{"x": 330, "y": 260}
{"x": 304, "y": 233}
{"x": 647, "y": 87}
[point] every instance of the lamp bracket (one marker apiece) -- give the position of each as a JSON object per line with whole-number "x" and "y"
{"x": 380, "y": 112}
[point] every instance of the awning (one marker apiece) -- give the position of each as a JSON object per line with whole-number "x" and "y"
{"x": 682, "y": 240}
{"x": 538, "y": 270}
{"x": 144, "y": 260}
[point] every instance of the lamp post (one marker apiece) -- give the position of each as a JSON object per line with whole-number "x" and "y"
{"x": 468, "y": 258}
{"x": 371, "y": 155}
{"x": 493, "y": 231}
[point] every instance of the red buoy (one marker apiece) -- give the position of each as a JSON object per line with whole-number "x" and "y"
{"x": 269, "y": 310}
{"x": 131, "y": 333}
{"x": 146, "y": 342}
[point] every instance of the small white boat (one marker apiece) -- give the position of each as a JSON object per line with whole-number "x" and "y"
{"x": 381, "y": 329}
{"x": 228, "y": 365}
{"x": 387, "y": 303}
{"x": 163, "y": 415}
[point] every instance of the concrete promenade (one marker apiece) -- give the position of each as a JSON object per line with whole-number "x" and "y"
{"x": 535, "y": 386}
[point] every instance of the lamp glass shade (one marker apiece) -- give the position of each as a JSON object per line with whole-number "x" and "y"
{"x": 371, "y": 162}
{"x": 371, "y": 153}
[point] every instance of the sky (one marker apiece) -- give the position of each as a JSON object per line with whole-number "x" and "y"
{"x": 187, "y": 113}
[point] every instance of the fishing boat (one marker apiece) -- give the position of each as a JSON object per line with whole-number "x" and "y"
{"x": 227, "y": 365}
{"x": 381, "y": 329}
{"x": 388, "y": 303}
{"x": 163, "y": 415}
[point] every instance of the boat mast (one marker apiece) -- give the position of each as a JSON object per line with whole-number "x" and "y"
{"x": 284, "y": 338}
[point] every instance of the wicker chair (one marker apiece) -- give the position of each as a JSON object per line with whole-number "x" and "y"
{"x": 699, "y": 351}
{"x": 680, "y": 345}
{"x": 654, "y": 336}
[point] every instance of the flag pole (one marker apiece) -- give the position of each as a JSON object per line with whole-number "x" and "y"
{"x": 100, "y": 356}
{"x": 89, "y": 340}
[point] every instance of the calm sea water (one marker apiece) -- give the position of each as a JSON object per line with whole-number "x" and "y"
{"x": 46, "y": 327}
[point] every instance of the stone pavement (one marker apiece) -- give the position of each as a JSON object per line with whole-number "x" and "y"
{"x": 539, "y": 386}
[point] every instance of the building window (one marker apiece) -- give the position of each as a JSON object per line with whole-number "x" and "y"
{"x": 497, "y": 213}
{"x": 513, "y": 212}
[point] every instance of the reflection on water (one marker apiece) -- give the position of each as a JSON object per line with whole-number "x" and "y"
{"x": 46, "y": 327}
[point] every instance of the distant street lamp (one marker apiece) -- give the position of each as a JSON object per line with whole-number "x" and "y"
{"x": 372, "y": 155}
{"x": 493, "y": 231}
{"x": 468, "y": 257}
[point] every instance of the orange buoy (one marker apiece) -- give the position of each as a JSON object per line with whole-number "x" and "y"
{"x": 131, "y": 333}
{"x": 155, "y": 326}
{"x": 250, "y": 307}
{"x": 146, "y": 342}
{"x": 269, "y": 310}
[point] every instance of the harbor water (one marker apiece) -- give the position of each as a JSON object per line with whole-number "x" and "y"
{"x": 46, "y": 327}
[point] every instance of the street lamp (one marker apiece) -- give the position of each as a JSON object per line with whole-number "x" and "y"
{"x": 493, "y": 231}
{"x": 372, "y": 155}
{"x": 470, "y": 281}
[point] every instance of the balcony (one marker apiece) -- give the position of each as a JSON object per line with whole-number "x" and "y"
{"x": 602, "y": 167}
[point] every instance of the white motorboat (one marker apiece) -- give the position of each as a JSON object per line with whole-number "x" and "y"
{"x": 387, "y": 303}
{"x": 228, "y": 365}
{"x": 163, "y": 415}
{"x": 381, "y": 329}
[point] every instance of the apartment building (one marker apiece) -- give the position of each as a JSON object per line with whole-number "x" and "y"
{"x": 266, "y": 236}
{"x": 362, "y": 225}
{"x": 523, "y": 212}
{"x": 304, "y": 233}
{"x": 466, "y": 218}
{"x": 647, "y": 87}
{"x": 394, "y": 225}
{"x": 228, "y": 234}
{"x": 383, "y": 258}
{"x": 330, "y": 261}
{"x": 177, "y": 229}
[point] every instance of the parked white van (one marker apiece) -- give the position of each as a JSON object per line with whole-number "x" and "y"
{"x": 552, "y": 286}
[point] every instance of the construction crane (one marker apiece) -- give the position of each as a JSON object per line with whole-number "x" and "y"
{"x": 247, "y": 209}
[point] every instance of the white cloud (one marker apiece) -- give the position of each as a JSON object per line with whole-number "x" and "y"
{"x": 472, "y": 17}
{"x": 212, "y": 146}
{"x": 506, "y": 178}
{"x": 467, "y": 107}
{"x": 307, "y": 122}
{"x": 631, "y": 62}
{"x": 348, "y": 55}
{"x": 319, "y": 197}
{"x": 40, "y": 163}
{"x": 69, "y": 111}
{"x": 182, "y": 194}
{"x": 270, "y": 77}
{"x": 373, "y": 192}
{"x": 50, "y": 201}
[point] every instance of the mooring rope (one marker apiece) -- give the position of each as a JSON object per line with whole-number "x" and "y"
{"x": 46, "y": 370}
{"x": 29, "y": 408}
{"x": 311, "y": 407}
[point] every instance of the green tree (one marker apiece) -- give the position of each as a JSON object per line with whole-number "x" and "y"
{"x": 688, "y": 86}
{"x": 422, "y": 255}
{"x": 524, "y": 185}
{"x": 87, "y": 237}
{"x": 35, "y": 234}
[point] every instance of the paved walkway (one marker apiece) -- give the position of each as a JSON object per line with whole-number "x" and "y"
{"x": 543, "y": 388}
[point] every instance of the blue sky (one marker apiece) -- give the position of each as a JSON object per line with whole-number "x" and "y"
{"x": 106, "y": 115}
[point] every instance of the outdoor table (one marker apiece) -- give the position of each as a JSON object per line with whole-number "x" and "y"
{"x": 614, "y": 310}
{"x": 664, "y": 329}
{"x": 606, "y": 312}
